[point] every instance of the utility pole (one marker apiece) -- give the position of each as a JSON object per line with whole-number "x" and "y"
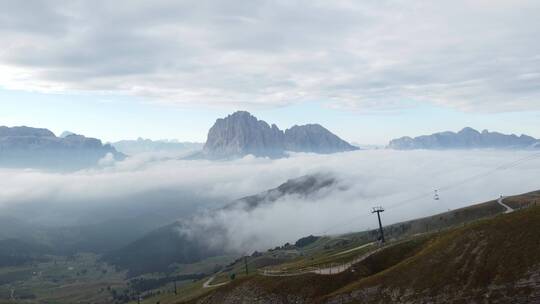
{"x": 378, "y": 210}
{"x": 245, "y": 264}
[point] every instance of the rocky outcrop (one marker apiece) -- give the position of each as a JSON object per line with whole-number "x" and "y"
{"x": 467, "y": 138}
{"x": 241, "y": 133}
{"x": 40, "y": 148}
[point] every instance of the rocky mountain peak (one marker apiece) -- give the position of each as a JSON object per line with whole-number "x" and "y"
{"x": 241, "y": 133}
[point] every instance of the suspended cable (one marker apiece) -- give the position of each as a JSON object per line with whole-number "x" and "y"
{"x": 502, "y": 167}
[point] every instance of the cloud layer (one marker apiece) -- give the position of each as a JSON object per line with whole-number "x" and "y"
{"x": 368, "y": 55}
{"x": 367, "y": 178}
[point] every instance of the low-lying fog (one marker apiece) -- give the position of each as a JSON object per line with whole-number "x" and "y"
{"x": 177, "y": 188}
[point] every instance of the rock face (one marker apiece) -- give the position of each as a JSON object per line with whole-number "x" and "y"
{"x": 40, "y": 148}
{"x": 241, "y": 133}
{"x": 467, "y": 138}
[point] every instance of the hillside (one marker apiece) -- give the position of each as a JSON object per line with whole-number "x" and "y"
{"x": 156, "y": 251}
{"x": 97, "y": 238}
{"x": 189, "y": 241}
{"x": 303, "y": 186}
{"x": 15, "y": 252}
{"x": 494, "y": 260}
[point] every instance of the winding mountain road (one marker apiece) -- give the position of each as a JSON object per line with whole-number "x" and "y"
{"x": 335, "y": 269}
{"x": 208, "y": 282}
{"x": 508, "y": 208}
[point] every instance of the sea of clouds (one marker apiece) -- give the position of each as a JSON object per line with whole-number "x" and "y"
{"x": 401, "y": 181}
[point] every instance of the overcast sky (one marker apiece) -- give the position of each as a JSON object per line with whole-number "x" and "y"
{"x": 367, "y": 70}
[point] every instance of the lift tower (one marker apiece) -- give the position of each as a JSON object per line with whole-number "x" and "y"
{"x": 378, "y": 210}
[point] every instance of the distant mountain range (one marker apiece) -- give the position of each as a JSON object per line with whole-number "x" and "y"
{"x": 236, "y": 135}
{"x": 467, "y": 138}
{"x": 241, "y": 134}
{"x": 141, "y": 145}
{"x": 40, "y": 148}
{"x": 188, "y": 241}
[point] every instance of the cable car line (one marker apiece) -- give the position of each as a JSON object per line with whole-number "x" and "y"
{"x": 436, "y": 196}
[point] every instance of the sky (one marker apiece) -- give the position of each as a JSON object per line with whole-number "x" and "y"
{"x": 369, "y": 71}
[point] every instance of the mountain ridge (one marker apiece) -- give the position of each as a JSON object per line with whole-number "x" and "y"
{"x": 466, "y": 138}
{"x": 40, "y": 148}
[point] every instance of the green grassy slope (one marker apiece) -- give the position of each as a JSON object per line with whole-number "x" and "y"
{"x": 496, "y": 259}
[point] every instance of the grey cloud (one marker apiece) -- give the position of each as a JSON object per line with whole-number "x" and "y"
{"x": 31, "y": 17}
{"x": 365, "y": 55}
